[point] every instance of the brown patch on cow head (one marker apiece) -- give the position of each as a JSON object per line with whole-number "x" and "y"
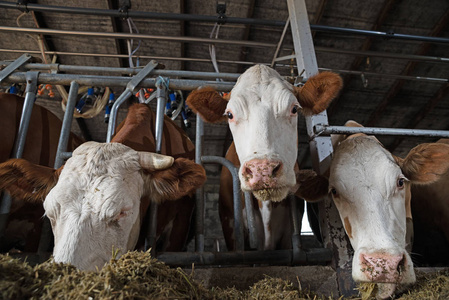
{"x": 348, "y": 227}
{"x": 27, "y": 181}
{"x": 208, "y": 103}
{"x": 312, "y": 187}
{"x": 317, "y": 93}
{"x": 181, "y": 179}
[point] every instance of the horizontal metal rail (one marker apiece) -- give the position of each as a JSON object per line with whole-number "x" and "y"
{"x": 116, "y": 81}
{"x": 122, "y": 35}
{"x": 326, "y": 130}
{"x": 278, "y": 257}
{"x": 129, "y": 71}
{"x": 212, "y": 19}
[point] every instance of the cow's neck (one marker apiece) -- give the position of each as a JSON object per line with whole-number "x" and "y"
{"x": 266, "y": 208}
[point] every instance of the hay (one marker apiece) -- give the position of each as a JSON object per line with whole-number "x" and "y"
{"x": 136, "y": 275}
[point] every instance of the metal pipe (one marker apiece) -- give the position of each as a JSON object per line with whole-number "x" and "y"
{"x": 126, "y": 56}
{"x": 14, "y": 65}
{"x": 212, "y": 19}
{"x": 326, "y": 130}
{"x": 238, "y": 224}
{"x": 115, "y": 81}
{"x": 138, "y": 14}
{"x": 273, "y": 257}
{"x": 114, "y": 110}
{"x": 296, "y": 232}
{"x": 66, "y": 125}
{"x": 121, "y": 35}
{"x": 250, "y": 221}
{"x": 199, "y": 206}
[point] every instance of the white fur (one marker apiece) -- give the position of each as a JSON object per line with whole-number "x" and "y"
{"x": 365, "y": 177}
{"x": 262, "y": 126}
{"x": 94, "y": 208}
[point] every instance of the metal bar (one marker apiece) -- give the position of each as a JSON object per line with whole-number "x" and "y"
{"x": 19, "y": 145}
{"x": 326, "y": 130}
{"x": 116, "y": 81}
{"x": 238, "y": 224}
{"x": 281, "y": 41}
{"x": 251, "y": 223}
{"x": 46, "y": 237}
{"x": 214, "y": 19}
{"x": 161, "y": 93}
{"x": 199, "y": 206}
{"x": 298, "y": 254}
{"x": 126, "y": 56}
{"x": 14, "y": 66}
{"x": 137, "y": 36}
{"x": 332, "y": 230}
{"x": 130, "y": 86}
{"x": 139, "y": 14}
{"x": 273, "y": 257}
{"x": 66, "y": 125}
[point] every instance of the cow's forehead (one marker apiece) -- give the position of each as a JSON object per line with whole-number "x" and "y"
{"x": 257, "y": 81}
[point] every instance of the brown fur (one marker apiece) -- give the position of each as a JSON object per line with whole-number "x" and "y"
{"x": 208, "y": 103}
{"x": 426, "y": 162}
{"x": 312, "y": 187}
{"x": 317, "y": 93}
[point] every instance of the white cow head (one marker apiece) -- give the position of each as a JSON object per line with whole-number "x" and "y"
{"x": 371, "y": 190}
{"x": 262, "y": 111}
{"x": 95, "y": 204}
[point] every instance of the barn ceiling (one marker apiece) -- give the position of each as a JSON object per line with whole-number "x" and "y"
{"x": 404, "y": 82}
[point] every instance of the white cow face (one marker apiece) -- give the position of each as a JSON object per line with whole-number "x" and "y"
{"x": 370, "y": 191}
{"x": 262, "y": 114}
{"x": 94, "y": 207}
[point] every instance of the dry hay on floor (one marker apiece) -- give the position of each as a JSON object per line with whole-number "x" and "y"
{"x": 136, "y": 275}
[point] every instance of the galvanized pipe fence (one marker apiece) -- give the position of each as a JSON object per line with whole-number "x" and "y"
{"x": 296, "y": 255}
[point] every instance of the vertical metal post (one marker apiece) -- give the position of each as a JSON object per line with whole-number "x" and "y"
{"x": 19, "y": 145}
{"x": 253, "y": 240}
{"x": 150, "y": 241}
{"x": 46, "y": 239}
{"x": 321, "y": 149}
{"x": 199, "y": 206}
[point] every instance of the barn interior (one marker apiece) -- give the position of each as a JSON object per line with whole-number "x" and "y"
{"x": 392, "y": 56}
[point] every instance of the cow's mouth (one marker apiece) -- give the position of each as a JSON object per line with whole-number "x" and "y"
{"x": 272, "y": 194}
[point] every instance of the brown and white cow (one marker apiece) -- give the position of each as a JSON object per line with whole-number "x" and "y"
{"x": 371, "y": 189}
{"x": 23, "y": 227}
{"x": 97, "y": 201}
{"x": 262, "y": 112}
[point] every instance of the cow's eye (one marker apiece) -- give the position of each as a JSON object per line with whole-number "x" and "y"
{"x": 333, "y": 191}
{"x": 401, "y": 182}
{"x": 229, "y": 115}
{"x": 295, "y": 110}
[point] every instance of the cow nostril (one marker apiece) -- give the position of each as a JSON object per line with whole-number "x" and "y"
{"x": 248, "y": 171}
{"x": 276, "y": 169}
{"x": 401, "y": 265}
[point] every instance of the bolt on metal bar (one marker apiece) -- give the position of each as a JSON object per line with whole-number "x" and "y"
{"x": 14, "y": 66}
{"x": 326, "y": 130}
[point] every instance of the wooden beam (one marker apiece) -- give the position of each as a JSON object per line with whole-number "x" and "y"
{"x": 245, "y": 36}
{"x": 409, "y": 68}
{"x": 120, "y": 44}
{"x": 383, "y": 13}
{"x": 422, "y": 113}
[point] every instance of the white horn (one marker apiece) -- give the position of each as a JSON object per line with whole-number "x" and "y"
{"x": 154, "y": 161}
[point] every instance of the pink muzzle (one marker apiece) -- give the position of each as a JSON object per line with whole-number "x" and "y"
{"x": 261, "y": 174}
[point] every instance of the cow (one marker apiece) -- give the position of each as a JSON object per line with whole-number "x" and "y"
{"x": 97, "y": 201}
{"x": 262, "y": 111}
{"x": 373, "y": 191}
{"x": 24, "y": 223}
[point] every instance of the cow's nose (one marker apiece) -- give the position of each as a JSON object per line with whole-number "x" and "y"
{"x": 379, "y": 267}
{"x": 261, "y": 173}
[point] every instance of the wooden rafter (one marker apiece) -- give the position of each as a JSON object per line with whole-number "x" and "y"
{"x": 120, "y": 44}
{"x": 409, "y": 68}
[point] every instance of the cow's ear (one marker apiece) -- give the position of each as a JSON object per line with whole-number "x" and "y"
{"x": 317, "y": 93}
{"x": 209, "y": 104}
{"x": 27, "y": 181}
{"x": 426, "y": 163}
{"x": 312, "y": 187}
{"x": 179, "y": 180}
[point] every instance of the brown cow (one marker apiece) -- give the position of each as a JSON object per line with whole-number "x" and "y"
{"x": 97, "y": 201}
{"x": 25, "y": 221}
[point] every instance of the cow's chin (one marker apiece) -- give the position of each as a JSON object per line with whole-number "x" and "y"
{"x": 274, "y": 194}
